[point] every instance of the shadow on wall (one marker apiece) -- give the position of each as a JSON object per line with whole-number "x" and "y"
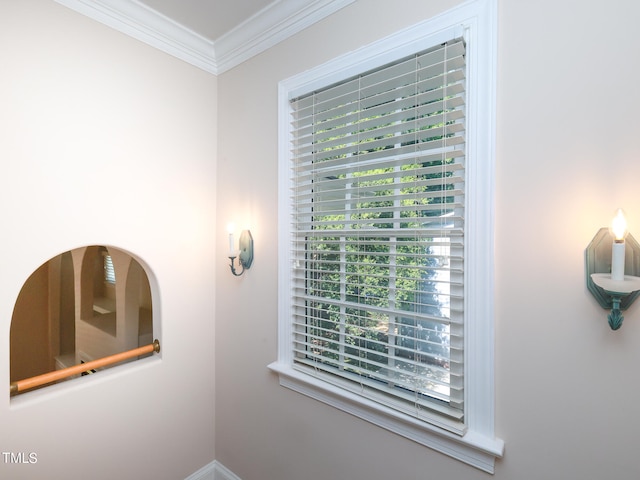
{"x": 80, "y": 306}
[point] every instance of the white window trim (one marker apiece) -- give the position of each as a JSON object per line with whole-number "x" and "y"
{"x": 476, "y": 21}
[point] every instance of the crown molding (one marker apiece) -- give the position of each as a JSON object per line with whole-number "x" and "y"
{"x": 273, "y": 24}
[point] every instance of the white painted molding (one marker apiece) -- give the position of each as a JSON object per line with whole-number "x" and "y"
{"x": 213, "y": 471}
{"x": 208, "y": 472}
{"x": 223, "y": 473}
{"x": 472, "y": 448}
{"x": 275, "y": 23}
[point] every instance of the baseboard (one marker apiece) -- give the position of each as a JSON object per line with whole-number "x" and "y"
{"x": 213, "y": 471}
{"x": 223, "y": 473}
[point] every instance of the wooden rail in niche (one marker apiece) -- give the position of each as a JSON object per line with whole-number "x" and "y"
{"x": 39, "y": 380}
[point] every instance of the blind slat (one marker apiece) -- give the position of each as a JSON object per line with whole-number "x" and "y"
{"x": 408, "y": 157}
{"x": 304, "y": 301}
{"x": 423, "y": 111}
{"x": 390, "y": 137}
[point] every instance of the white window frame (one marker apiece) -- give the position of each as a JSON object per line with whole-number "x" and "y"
{"x": 476, "y": 21}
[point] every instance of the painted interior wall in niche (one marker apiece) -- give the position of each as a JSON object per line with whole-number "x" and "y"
{"x": 110, "y": 318}
{"x": 43, "y": 320}
{"x": 30, "y": 352}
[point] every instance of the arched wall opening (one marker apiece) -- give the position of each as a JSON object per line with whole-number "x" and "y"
{"x": 80, "y": 306}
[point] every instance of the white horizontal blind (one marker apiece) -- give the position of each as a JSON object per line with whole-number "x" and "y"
{"x": 378, "y": 232}
{"x": 109, "y": 271}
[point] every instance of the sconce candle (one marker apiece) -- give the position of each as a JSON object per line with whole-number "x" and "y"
{"x": 619, "y": 231}
{"x": 230, "y": 228}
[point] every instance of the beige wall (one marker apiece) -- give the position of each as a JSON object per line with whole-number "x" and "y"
{"x": 84, "y": 110}
{"x": 567, "y": 157}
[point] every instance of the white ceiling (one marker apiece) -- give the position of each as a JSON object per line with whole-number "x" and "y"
{"x": 210, "y": 18}
{"x": 214, "y": 35}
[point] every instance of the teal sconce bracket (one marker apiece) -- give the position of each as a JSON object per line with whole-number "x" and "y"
{"x": 611, "y": 294}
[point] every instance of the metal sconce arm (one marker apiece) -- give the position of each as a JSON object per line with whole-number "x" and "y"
{"x": 233, "y": 267}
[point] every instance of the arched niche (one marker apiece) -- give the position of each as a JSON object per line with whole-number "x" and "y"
{"x": 80, "y": 306}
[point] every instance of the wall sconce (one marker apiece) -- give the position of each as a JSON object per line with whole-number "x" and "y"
{"x": 246, "y": 250}
{"x": 612, "y": 254}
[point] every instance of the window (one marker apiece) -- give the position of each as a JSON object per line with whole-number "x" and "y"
{"x": 109, "y": 272}
{"x": 386, "y": 262}
{"x": 378, "y": 221}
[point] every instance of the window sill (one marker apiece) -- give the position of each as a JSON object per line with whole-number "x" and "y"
{"x": 103, "y": 305}
{"x": 472, "y": 448}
